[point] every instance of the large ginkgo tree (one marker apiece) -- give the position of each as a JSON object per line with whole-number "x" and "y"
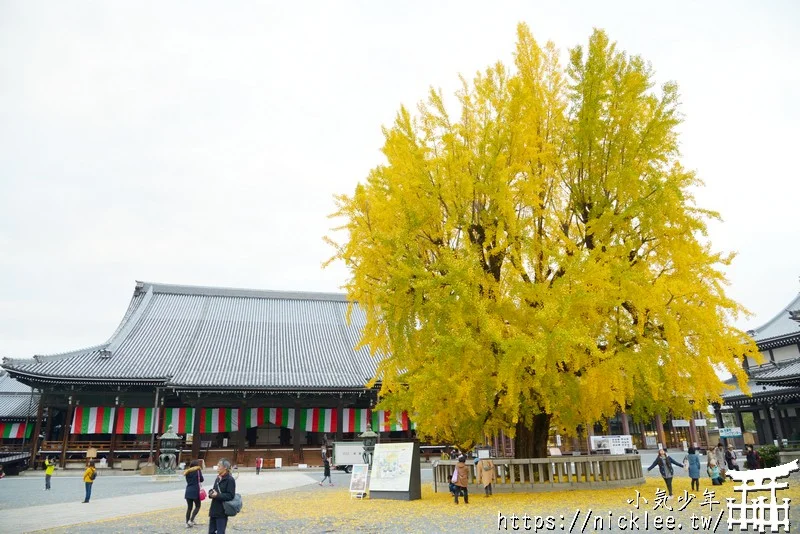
{"x": 538, "y": 261}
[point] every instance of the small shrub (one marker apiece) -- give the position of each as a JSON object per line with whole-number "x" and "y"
{"x": 769, "y": 455}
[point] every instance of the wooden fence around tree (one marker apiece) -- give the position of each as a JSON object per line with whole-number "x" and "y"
{"x": 547, "y": 474}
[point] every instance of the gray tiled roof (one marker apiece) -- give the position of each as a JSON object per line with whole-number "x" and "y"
{"x": 186, "y": 336}
{"x": 780, "y": 326}
{"x": 785, "y": 371}
{"x": 758, "y": 392}
{"x": 15, "y": 399}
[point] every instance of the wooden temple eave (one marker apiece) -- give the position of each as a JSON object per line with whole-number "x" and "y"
{"x": 757, "y": 400}
{"x": 779, "y": 341}
{"x": 45, "y": 381}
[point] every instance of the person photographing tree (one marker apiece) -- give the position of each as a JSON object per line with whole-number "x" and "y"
{"x": 224, "y": 489}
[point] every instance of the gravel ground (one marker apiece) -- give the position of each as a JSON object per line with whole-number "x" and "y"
{"x": 326, "y": 509}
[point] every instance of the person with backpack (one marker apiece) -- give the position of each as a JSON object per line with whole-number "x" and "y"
{"x": 88, "y": 479}
{"x": 224, "y": 490}
{"x": 49, "y": 467}
{"x": 486, "y": 474}
{"x": 664, "y": 463}
{"x": 194, "y": 479}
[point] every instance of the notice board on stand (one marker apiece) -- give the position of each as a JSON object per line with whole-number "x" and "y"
{"x": 395, "y": 472}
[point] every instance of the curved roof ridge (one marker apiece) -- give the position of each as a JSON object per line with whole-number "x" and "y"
{"x": 39, "y": 358}
{"x": 212, "y": 291}
{"x": 778, "y": 321}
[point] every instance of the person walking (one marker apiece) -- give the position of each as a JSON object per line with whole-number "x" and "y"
{"x": 224, "y": 489}
{"x": 664, "y": 463}
{"x": 719, "y": 458}
{"x": 326, "y": 463}
{"x": 49, "y": 467}
{"x": 713, "y": 472}
{"x": 259, "y": 463}
{"x": 194, "y": 478}
{"x": 486, "y": 474}
{"x": 462, "y": 479}
{"x": 88, "y": 480}
{"x": 730, "y": 459}
{"x": 693, "y": 466}
{"x": 752, "y": 460}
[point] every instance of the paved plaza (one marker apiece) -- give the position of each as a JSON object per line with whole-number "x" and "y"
{"x": 292, "y": 501}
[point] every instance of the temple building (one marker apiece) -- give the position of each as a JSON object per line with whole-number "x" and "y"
{"x": 770, "y": 414}
{"x": 240, "y": 373}
{"x": 237, "y": 373}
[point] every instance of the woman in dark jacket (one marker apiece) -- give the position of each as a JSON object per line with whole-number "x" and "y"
{"x": 224, "y": 490}
{"x": 664, "y": 463}
{"x": 194, "y": 477}
{"x": 753, "y": 460}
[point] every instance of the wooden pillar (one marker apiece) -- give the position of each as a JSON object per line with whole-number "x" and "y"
{"x": 297, "y": 439}
{"x": 778, "y": 427}
{"x": 692, "y": 430}
{"x": 339, "y": 420}
{"x": 113, "y": 443}
{"x": 154, "y": 428}
{"x": 49, "y": 426}
{"x": 705, "y": 433}
{"x": 662, "y": 438}
{"x": 36, "y": 430}
{"x": 721, "y": 423}
{"x": 196, "y": 433}
{"x": 740, "y": 420}
{"x": 67, "y": 431}
{"x": 626, "y": 430}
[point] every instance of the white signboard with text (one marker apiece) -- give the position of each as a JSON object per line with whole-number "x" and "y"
{"x": 614, "y": 444}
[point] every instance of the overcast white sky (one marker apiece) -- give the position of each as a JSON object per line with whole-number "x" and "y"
{"x": 202, "y": 142}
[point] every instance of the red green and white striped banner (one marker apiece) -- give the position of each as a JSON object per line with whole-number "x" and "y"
{"x": 181, "y": 420}
{"x": 135, "y": 421}
{"x": 385, "y": 421}
{"x": 15, "y": 430}
{"x": 355, "y": 419}
{"x": 254, "y": 417}
{"x": 213, "y": 420}
{"x": 318, "y": 419}
{"x": 283, "y": 417}
{"x": 93, "y": 420}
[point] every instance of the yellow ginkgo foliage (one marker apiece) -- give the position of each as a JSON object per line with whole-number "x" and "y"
{"x": 539, "y": 260}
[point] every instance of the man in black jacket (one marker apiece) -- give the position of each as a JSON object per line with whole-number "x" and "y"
{"x": 224, "y": 490}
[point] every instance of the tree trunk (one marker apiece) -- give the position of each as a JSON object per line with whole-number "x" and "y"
{"x": 532, "y": 442}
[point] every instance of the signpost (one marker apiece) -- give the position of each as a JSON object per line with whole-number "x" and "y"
{"x": 730, "y": 432}
{"x": 358, "y": 480}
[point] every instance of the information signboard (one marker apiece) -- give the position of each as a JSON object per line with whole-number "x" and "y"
{"x": 395, "y": 472}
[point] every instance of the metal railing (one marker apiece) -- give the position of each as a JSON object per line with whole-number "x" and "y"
{"x": 545, "y": 474}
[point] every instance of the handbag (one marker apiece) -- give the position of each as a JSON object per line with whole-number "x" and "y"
{"x": 202, "y": 494}
{"x": 454, "y": 478}
{"x": 234, "y": 506}
{"x": 487, "y": 466}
